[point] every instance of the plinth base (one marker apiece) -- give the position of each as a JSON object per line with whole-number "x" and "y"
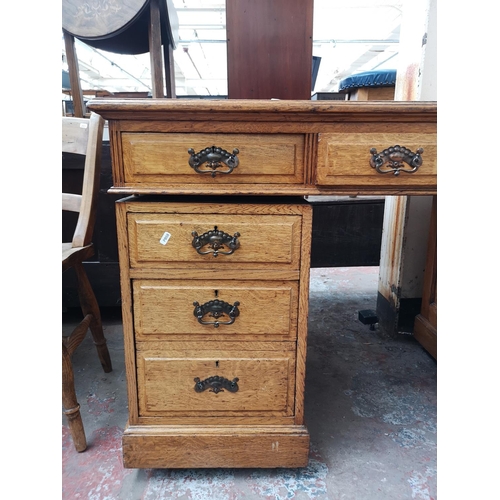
{"x": 215, "y": 446}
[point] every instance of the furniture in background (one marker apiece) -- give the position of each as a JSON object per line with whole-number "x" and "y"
{"x": 269, "y": 49}
{"x": 405, "y": 222}
{"x": 377, "y": 85}
{"x": 425, "y": 329}
{"x": 330, "y": 96}
{"x": 214, "y": 248}
{"x": 102, "y": 268}
{"x": 84, "y": 137}
{"x": 132, "y": 27}
{"x": 407, "y": 218}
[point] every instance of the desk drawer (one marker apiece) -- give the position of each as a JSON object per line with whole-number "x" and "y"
{"x": 216, "y": 382}
{"x": 153, "y": 159}
{"x": 248, "y": 241}
{"x": 260, "y": 309}
{"x": 347, "y": 159}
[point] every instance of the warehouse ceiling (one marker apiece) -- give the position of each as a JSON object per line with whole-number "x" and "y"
{"x": 349, "y": 37}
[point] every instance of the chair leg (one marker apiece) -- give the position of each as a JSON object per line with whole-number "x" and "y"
{"x": 70, "y": 403}
{"x": 89, "y": 306}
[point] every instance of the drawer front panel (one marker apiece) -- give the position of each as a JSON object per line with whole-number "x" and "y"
{"x": 159, "y": 158}
{"x": 165, "y": 308}
{"x": 166, "y": 240}
{"x": 344, "y": 160}
{"x": 264, "y": 382}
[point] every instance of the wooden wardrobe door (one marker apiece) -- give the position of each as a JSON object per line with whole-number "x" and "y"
{"x": 269, "y": 49}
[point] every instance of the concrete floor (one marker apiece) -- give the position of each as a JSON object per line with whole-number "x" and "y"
{"x": 370, "y": 409}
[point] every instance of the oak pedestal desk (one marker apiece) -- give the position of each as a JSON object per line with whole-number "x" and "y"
{"x": 214, "y": 241}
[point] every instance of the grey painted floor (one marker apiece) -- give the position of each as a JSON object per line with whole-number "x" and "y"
{"x": 370, "y": 409}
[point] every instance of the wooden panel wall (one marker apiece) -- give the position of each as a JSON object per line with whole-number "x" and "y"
{"x": 269, "y": 49}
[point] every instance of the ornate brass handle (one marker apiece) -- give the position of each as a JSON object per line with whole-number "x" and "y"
{"x": 216, "y": 384}
{"x": 216, "y": 240}
{"x": 214, "y": 157}
{"x": 393, "y": 159}
{"x": 216, "y": 309}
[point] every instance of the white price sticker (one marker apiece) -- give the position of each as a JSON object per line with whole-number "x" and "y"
{"x": 164, "y": 239}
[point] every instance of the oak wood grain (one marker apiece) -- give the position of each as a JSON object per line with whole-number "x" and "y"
{"x": 127, "y": 317}
{"x": 263, "y": 240}
{"x": 202, "y": 447}
{"x": 266, "y": 382}
{"x": 265, "y": 110}
{"x": 303, "y": 312}
{"x": 164, "y": 158}
{"x": 164, "y": 308}
{"x": 166, "y": 346}
{"x": 344, "y": 159}
{"x": 288, "y": 149}
{"x": 325, "y": 157}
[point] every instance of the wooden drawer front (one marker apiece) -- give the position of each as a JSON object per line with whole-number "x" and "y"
{"x": 263, "y": 239}
{"x": 160, "y": 158}
{"x": 344, "y": 160}
{"x": 165, "y": 308}
{"x": 266, "y": 381}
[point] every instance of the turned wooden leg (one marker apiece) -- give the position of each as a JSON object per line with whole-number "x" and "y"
{"x": 89, "y": 305}
{"x": 70, "y": 403}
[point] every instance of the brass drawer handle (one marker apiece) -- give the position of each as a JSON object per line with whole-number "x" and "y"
{"x": 214, "y": 157}
{"x": 216, "y": 384}
{"x": 216, "y": 309}
{"x": 393, "y": 159}
{"x": 216, "y": 240}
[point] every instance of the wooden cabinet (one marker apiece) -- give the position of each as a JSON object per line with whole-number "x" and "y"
{"x": 215, "y": 321}
{"x": 214, "y": 251}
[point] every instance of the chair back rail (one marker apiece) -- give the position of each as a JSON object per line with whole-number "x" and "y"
{"x": 71, "y": 202}
{"x": 84, "y": 136}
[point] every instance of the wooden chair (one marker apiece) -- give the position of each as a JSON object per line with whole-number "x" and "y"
{"x": 82, "y": 136}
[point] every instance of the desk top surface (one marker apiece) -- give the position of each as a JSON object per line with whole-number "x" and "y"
{"x": 307, "y": 110}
